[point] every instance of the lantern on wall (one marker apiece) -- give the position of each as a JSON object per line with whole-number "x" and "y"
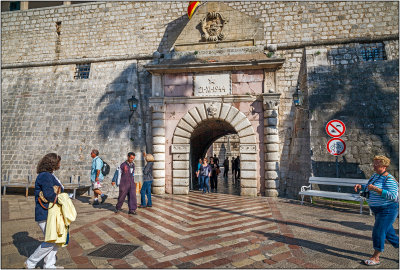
{"x": 192, "y": 8}
{"x": 133, "y": 103}
{"x": 297, "y": 97}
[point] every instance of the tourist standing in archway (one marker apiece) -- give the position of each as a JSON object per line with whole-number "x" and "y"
{"x": 226, "y": 167}
{"x": 233, "y": 168}
{"x": 216, "y": 160}
{"x": 197, "y": 174}
{"x": 214, "y": 174}
{"x": 237, "y": 168}
{"x": 205, "y": 173}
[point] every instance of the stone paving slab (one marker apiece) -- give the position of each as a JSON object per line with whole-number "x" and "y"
{"x": 202, "y": 231}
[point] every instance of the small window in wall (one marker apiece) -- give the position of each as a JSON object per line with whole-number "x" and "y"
{"x": 372, "y": 52}
{"x": 15, "y": 5}
{"x": 82, "y": 71}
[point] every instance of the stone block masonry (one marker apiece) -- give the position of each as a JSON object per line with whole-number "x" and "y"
{"x": 44, "y": 109}
{"x": 101, "y": 29}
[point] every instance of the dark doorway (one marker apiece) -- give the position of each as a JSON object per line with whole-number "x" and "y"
{"x": 208, "y": 134}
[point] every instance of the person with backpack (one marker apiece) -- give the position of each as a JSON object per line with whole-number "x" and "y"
{"x": 96, "y": 177}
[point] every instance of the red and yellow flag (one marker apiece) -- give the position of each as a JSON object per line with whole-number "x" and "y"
{"x": 192, "y": 8}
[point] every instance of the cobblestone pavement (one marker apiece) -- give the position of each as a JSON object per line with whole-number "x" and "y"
{"x": 201, "y": 231}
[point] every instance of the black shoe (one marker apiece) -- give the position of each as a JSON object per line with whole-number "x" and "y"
{"x": 96, "y": 202}
{"x": 104, "y": 198}
{"x": 116, "y": 211}
{"x": 142, "y": 206}
{"x": 149, "y": 206}
{"x": 132, "y": 213}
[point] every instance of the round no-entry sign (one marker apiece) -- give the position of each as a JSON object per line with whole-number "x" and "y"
{"x": 335, "y": 128}
{"x": 336, "y": 146}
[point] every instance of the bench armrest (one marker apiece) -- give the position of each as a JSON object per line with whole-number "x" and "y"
{"x": 303, "y": 188}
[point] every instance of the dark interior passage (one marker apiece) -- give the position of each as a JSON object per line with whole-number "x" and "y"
{"x": 202, "y": 138}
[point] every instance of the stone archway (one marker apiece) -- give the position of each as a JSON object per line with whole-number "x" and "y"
{"x": 181, "y": 146}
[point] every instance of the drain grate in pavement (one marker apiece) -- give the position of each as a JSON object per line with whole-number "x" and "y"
{"x": 116, "y": 251}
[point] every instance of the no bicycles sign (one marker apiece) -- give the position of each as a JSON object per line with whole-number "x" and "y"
{"x": 335, "y": 128}
{"x": 336, "y": 146}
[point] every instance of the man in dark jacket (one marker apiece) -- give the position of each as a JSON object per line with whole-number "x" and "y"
{"x": 127, "y": 185}
{"x": 226, "y": 167}
{"x": 237, "y": 168}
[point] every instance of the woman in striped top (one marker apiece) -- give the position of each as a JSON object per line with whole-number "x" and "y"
{"x": 382, "y": 198}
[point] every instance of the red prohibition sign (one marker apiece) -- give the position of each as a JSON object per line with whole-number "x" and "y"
{"x": 335, "y": 128}
{"x": 336, "y": 146}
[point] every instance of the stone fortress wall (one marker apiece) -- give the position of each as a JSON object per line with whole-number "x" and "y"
{"x": 45, "y": 109}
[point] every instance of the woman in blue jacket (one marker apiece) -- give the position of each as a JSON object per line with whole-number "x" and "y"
{"x": 45, "y": 182}
{"x": 382, "y": 194}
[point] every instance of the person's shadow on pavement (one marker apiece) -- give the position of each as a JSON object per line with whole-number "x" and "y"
{"x": 26, "y": 245}
{"x": 351, "y": 224}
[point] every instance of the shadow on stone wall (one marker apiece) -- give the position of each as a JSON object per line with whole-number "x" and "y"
{"x": 114, "y": 118}
{"x": 172, "y": 31}
{"x": 365, "y": 97}
{"x": 345, "y": 169}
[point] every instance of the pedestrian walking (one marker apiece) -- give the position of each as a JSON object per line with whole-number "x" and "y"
{"x": 47, "y": 186}
{"x": 96, "y": 177}
{"x": 205, "y": 173}
{"x": 216, "y": 159}
{"x": 127, "y": 186}
{"x": 197, "y": 174}
{"x": 213, "y": 177}
{"x": 237, "y": 167}
{"x": 233, "y": 167}
{"x": 226, "y": 167}
{"x": 147, "y": 181}
{"x": 382, "y": 195}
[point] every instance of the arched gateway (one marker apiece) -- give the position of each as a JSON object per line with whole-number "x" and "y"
{"x": 205, "y": 89}
{"x": 221, "y": 115}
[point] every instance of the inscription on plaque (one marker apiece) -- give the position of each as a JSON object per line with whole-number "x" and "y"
{"x": 212, "y": 84}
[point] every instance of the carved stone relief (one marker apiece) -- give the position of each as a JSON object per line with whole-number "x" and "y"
{"x": 211, "y": 26}
{"x": 269, "y": 85}
{"x": 212, "y": 110}
{"x": 180, "y": 148}
{"x": 248, "y": 148}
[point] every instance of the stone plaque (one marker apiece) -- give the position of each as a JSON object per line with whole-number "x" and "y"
{"x": 212, "y": 84}
{"x": 180, "y": 148}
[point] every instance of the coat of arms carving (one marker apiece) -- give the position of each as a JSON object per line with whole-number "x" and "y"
{"x": 211, "y": 26}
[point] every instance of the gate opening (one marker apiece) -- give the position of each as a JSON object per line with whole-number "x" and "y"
{"x": 217, "y": 137}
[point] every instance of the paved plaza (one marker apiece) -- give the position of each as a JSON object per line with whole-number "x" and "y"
{"x": 213, "y": 230}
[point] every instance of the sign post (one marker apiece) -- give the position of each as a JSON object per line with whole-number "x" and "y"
{"x": 336, "y": 128}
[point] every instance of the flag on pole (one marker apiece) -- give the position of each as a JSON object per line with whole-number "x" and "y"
{"x": 192, "y": 8}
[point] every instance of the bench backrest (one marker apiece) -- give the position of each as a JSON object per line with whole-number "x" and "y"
{"x": 8, "y": 180}
{"x": 350, "y": 182}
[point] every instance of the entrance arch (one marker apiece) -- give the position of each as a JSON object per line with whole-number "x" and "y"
{"x": 192, "y": 124}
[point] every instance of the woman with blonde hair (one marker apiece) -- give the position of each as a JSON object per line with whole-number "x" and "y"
{"x": 382, "y": 195}
{"x": 147, "y": 181}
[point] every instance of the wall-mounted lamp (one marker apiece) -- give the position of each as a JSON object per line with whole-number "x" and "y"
{"x": 297, "y": 98}
{"x": 133, "y": 102}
